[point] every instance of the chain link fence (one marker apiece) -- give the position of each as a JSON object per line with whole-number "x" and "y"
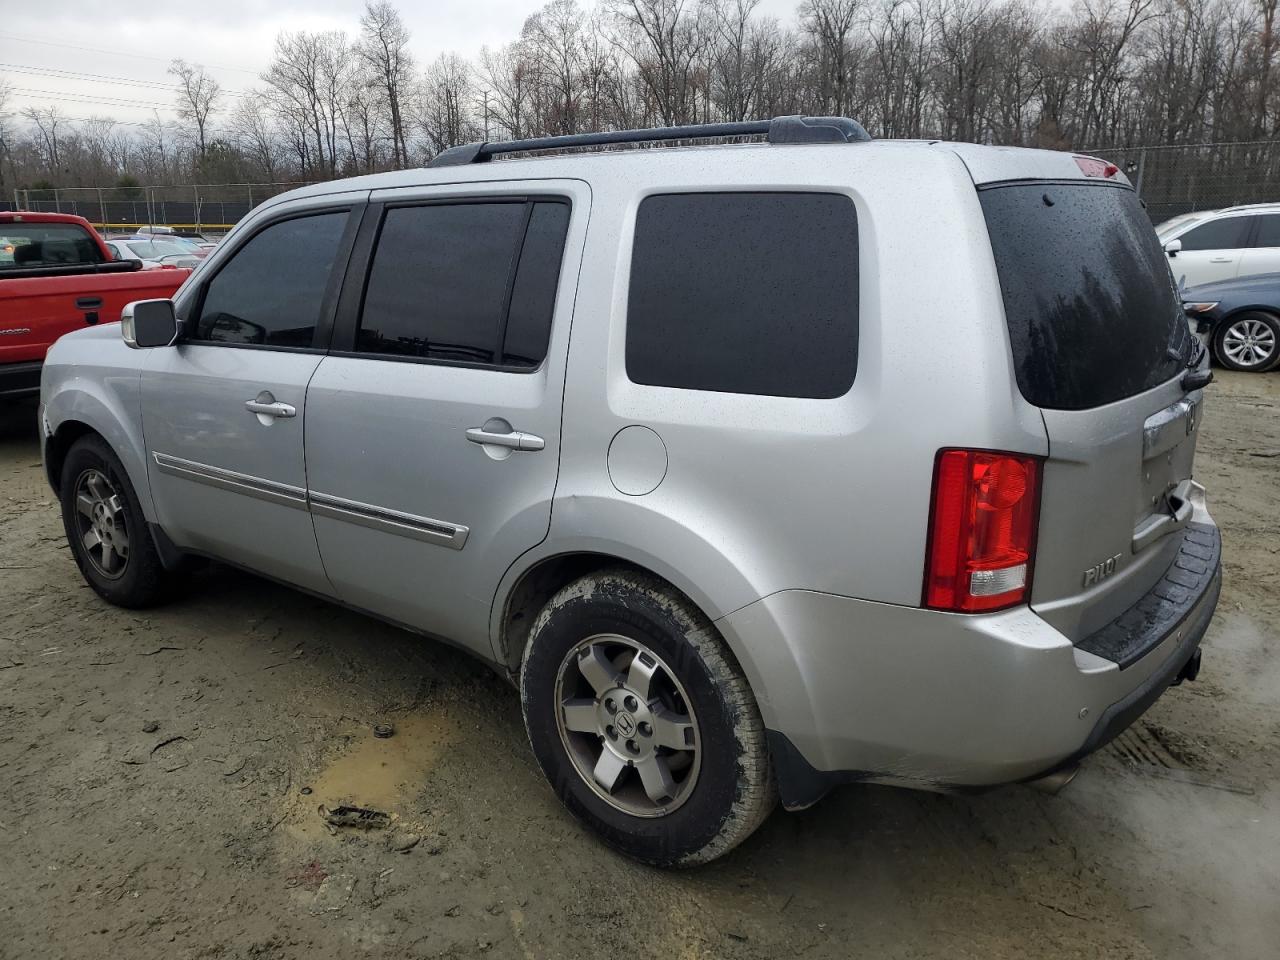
{"x": 1170, "y": 179}
{"x": 1202, "y": 176}
{"x": 206, "y": 208}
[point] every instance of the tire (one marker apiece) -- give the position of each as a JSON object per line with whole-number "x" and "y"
{"x": 133, "y": 576}
{"x": 680, "y": 704}
{"x": 1248, "y": 341}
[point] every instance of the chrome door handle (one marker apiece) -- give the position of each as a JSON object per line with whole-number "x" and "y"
{"x": 264, "y": 409}
{"x": 515, "y": 440}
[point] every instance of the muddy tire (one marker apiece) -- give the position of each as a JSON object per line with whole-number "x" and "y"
{"x": 643, "y": 722}
{"x": 106, "y": 528}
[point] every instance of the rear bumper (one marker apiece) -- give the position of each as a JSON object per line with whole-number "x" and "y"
{"x": 20, "y": 379}
{"x": 853, "y": 690}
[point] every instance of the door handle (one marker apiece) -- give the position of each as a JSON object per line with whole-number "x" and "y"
{"x": 513, "y": 440}
{"x": 1221, "y": 259}
{"x": 270, "y": 408}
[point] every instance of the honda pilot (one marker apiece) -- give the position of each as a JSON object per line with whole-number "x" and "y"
{"x": 773, "y": 459}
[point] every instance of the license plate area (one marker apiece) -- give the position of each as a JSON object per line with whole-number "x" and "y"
{"x": 1168, "y": 454}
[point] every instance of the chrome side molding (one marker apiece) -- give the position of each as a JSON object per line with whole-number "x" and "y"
{"x": 250, "y": 486}
{"x": 438, "y": 532}
{"x": 410, "y": 525}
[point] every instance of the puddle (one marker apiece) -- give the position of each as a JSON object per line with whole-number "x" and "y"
{"x": 381, "y": 774}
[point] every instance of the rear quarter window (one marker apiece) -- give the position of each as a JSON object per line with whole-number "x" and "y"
{"x": 753, "y": 293}
{"x": 1090, "y": 304}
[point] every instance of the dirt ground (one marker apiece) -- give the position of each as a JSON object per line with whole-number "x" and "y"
{"x": 161, "y": 774}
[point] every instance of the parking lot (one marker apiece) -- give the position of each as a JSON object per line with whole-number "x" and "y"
{"x": 163, "y": 775}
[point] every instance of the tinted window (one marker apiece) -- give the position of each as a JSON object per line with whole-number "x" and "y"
{"x": 439, "y": 281}
{"x": 271, "y": 290}
{"x": 533, "y": 296}
{"x": 451, "y": 281}
{"x": 1226, "y": 234}
{"x": 745, "y": 293}
{"x": 1268, "y": 231}
{"x": 1092, "y": 311}
{"x": 24, "y": 245}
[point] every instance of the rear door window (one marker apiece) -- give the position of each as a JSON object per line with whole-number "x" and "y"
{"x": 1090, "y": 303}
{"x": 753, "y": 293}
{"x": 470, "y": 282}
{"x": 1268, "y": 231}
{"x": 1230, "y": 233}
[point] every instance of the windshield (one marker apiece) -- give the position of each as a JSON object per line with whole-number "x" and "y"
{"x": 1173, "y": 226}
{"x": 1091, "y": 306}
{"x": 158, "y": 249}
{"x": 46, "y": 245}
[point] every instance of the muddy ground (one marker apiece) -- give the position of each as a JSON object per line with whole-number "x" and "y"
{"x": 161, "y": 774}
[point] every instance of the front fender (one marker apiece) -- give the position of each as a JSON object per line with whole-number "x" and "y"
{"x": 96, "y": 382}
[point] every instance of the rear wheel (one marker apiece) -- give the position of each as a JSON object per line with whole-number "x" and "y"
{"x": 1249, "y": 341}
{"x": 643, "y": 722}
{"x": 106, "y": 528}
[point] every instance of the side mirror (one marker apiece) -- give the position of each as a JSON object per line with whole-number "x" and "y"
{"x": 1172, "y": 247}
{"x": 149, "y": 323}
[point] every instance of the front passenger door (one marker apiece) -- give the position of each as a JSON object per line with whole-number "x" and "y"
{"x": 223, "y": 411}
{"x": 1211, "y": 251}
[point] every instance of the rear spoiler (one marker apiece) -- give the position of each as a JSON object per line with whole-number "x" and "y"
{"x": 71, "y": 269}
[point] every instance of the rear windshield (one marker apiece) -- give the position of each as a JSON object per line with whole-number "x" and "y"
{"x": 24, "y": 245}
{"x": 1092, "y": 310}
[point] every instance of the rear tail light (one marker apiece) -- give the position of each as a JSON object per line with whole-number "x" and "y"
{"x": 982, "y": 530}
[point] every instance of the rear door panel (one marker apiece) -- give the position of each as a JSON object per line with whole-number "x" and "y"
{"x": 415, "y": 521}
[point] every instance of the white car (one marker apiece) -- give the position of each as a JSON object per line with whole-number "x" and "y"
{"x": 154, "y": 253}
{"x": 1213, "y": 245}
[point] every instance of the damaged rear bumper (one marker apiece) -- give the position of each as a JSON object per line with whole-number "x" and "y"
{"x": 856, "y": 691}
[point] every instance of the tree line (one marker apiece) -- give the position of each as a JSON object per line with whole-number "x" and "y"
{"x": 1101, "y": 74}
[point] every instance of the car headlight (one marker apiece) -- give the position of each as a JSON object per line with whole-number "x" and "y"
{"x": 1202, "y": 307}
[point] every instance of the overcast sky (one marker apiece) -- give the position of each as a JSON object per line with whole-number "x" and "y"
{"x": 43, "y": 44}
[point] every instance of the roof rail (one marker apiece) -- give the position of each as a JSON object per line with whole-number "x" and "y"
{"x": 777, "y": 130}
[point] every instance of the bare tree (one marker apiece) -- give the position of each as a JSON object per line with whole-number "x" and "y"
{"x": 198, "y": 98}
{"x": 383, "y": 46}
{"x": 664, "y": 39}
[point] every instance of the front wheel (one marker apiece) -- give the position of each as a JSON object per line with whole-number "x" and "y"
{"x": 106, "y": 528}
{"x": 642, "y": 721}
{"x": 1249, "y": 341}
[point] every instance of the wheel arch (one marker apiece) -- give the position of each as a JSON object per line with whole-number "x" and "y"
{"x": 76, "y": 411}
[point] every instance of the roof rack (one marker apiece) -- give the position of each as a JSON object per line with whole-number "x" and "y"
{"x": 778, "y": 130}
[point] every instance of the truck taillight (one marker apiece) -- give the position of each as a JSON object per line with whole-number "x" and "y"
{"x": 982, "y": 530}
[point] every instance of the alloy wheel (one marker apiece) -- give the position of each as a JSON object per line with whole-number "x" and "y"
{"x": 100, "y": 521}
{"x": 627, "y": 725}
{"x": 1249, "y": 342}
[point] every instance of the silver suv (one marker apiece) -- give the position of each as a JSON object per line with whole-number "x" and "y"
{"x": 760, "y": 467}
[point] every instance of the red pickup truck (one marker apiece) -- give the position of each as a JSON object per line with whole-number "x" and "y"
{"x": 56, "y": 275}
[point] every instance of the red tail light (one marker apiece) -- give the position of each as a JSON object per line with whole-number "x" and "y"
{"x": 982, "y": 530}
{"x": 1093, "y": 167}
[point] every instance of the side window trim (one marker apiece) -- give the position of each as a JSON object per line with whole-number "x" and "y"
{"x": 321, "y": 339}
{"x": 350, "y": 303}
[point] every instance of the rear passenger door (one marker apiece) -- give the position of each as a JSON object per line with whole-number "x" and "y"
{"x": 1211, "y": 251}
{"x": 1263, "y": 254}
{"x": 433, "y": 431}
